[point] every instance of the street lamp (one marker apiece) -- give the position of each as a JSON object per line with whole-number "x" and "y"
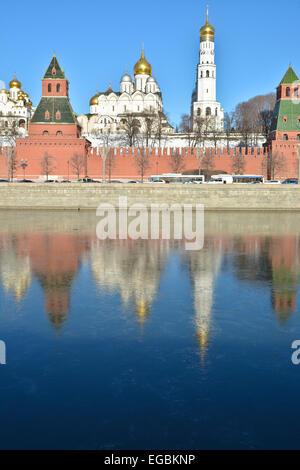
{"x": 24, "y": 165}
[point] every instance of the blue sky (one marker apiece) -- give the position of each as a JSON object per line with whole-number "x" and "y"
{"x": 95, "y": 39}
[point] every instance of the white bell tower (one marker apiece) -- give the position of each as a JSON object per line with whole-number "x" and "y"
{"x": 204, "y": 101}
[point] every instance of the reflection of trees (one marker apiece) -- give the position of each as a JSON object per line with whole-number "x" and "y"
{"x": 131, "y": 268}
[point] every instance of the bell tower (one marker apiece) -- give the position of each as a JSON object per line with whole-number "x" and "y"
{"x": 204, "y": 100}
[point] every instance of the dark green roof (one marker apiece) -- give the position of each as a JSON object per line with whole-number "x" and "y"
{"x": 289, "y": 109}
{"x": 290, "y": 77}
{"x": 54, "y": 65}
{"x": 52, "y": 105}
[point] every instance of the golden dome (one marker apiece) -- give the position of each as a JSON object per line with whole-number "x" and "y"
{"x": 26, "y": 95}
{"x": 4, "y": 91}
{"x": 207, "y": 32}
{"x": 94, "y": 100}
{"x": 15, "y": 83}
{"x": 142, "y": 67}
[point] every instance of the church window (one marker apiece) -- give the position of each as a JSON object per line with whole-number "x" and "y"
{"x": 58, "y": 115}
{"x": 201, "y": 74}
{"x": 113, "y": 108}
{"x": 207, "y": 73}
{"x": 288, "y": 91}
{"x": 198, "y": 112}
{"x": 125, "y": 108}
{"x": 285, "y": 137}
{"x": 208, "y": 111}
{"x": 216, "y": 111}
{"x": 6, "y": 124}
{"x": 47, "y": 115}
{"x": 58, "y": 88}
{"x": 49, "y": 88}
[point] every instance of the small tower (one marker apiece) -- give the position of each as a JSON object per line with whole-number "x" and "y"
{"x": 204, "y": 100}
{"x": 286, "y": 118}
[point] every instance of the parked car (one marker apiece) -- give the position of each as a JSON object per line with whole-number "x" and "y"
{"x": 132, "y": 182}
{"x": 290, "y": 181}
{"x": 159, "y": 181}
{"x": 51, "y": 181}
{"x": 25, "y": 181}
{"x": 273, "y": 182}
{"x": 66, "y": 181}
{"x": 87, "y": 180}
{"x": 3, "y": 181}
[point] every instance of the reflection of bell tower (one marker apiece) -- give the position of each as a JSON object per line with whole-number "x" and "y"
{"x": 133, "y": 269}
{"x": 204, "y": 268}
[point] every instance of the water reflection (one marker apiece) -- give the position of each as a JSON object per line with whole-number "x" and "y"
{"x": 53, "y": 252}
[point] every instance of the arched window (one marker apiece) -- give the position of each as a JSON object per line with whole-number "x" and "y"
{"x": 47, "y": 115}
{"x": 208, "y": 111}
{"x": 45, "y": 132}
{"x": 198, "y": 112}
{"x": 59, "y": 133}
{"x": 285, "y": 137}
{"x": 216, "y": 112}
{"x": 49, "y": 87}
{"x": 58, "y": 115}
{"x": 288, "y": 91}
{"x": 298, "y": 137}
{"x": 207, "y": 73}
{"x": 58, "y": 88}
{"x": 296, "y": 91}
{"x": 201, "y": 74}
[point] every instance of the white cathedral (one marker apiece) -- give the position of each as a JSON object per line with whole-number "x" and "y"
{"x": 139, "y": 96}
{"x": 15, "y": 109}
{"x": 204, "y": 99}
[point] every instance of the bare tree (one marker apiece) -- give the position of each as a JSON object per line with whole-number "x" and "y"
{"x": 215, "y": 131}
{"x": 131, "y": 127}
{"x": 238, "y": 164}
{"x": 266, "y": 118}
{"x": 110, "y": 161}
{"x": 13, "y": 164}
{"x": 273, "y": 163}
{"x": 47, "y": 165}
{"x": 77, "y": 163}
{"x": 142, "y": 161}
{"x": 207, "y": 163}
{"x": 229, "y": 127}
{"x": 177, "y": 162}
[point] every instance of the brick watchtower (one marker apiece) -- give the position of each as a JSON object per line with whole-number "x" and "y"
{"x": 53, "y": 129}
{"x": 284, "y": 140}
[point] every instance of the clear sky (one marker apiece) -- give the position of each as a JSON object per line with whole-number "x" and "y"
{"x": 94, "y": 40}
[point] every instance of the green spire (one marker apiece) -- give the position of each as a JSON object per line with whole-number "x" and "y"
{"x": 54, "y": 70}
{"x": 290, "y": 77}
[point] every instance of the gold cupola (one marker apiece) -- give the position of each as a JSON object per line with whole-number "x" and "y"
{"x": 142, "y": 67}
{"x": 94, "y": 100}
{"x": 15, "y": 83}
{"x": 207, "y": 32}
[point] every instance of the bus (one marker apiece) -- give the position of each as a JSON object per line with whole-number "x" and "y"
{"x": 254, "y": 179}
{"x": 177, "y": 178}
{"x": 221, "y": 179}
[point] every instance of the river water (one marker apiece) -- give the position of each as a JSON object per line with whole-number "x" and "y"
{"x": 144, "y": 345}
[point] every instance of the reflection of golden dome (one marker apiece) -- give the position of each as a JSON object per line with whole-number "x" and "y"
{"x": 94, "y": 100}
{"x": 15, "y": 83}
{"x": 207, "y": 32}
{"x": 142, "y": 67}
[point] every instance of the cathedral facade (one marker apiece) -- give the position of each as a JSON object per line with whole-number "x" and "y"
{"x": 15, "y": 110}
{"x": 204, "y": 98}
{"x": 140, "y": 97}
